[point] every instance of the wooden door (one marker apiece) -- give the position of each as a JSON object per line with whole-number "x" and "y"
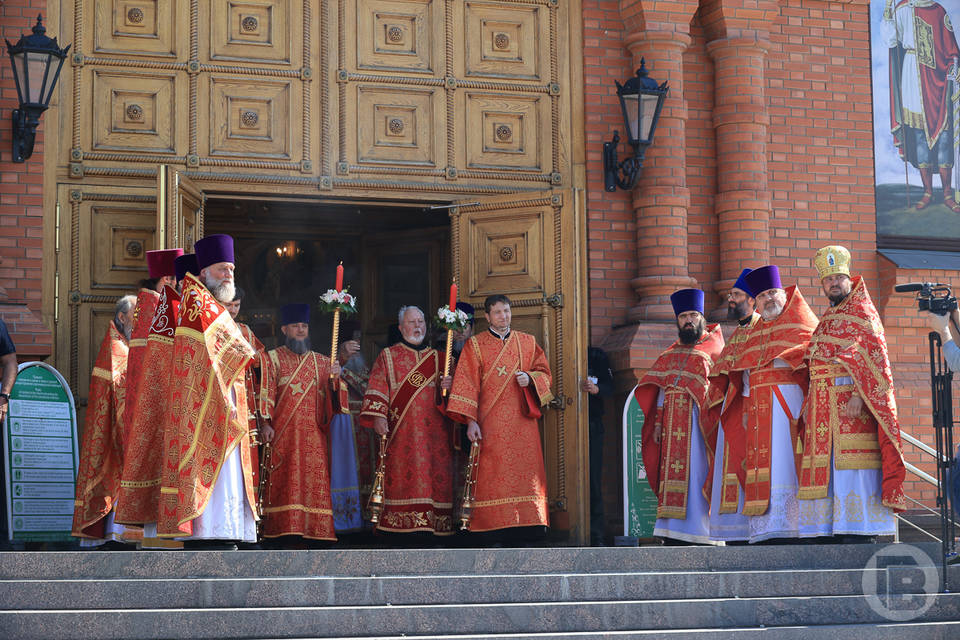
{"x": 180, "y": 205}
{"x": 400, "y": 268}
{"x": 525, "y": 246}
{"x": 102, "y": 235}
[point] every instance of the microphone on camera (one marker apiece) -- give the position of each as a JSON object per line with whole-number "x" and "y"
{"x": 915, "y": 286}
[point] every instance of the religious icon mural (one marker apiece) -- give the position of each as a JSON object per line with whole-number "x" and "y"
{"x": 916, "y": 116}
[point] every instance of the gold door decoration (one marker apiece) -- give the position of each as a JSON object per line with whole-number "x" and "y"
{"x": 455, "y": 96}
{"x": 513, "y": 244}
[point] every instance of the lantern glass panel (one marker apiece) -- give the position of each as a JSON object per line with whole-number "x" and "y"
{"x": 648, "y": 108}
{"x": 631, "y": 109}
{"x": 31, "y": 69}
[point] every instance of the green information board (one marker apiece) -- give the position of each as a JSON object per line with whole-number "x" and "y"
{"x": 41, "y": 455}
{"x": 639, "y": 500}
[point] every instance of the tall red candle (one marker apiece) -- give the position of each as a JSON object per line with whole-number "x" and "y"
{"x": 453, "y": 297}
{"x": 339, "y": 286}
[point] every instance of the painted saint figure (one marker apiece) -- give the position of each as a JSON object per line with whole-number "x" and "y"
{"x": 923, "y": 66}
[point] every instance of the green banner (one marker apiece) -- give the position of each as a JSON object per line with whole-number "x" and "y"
{"x": 41, "y": 455}
{"x": 639, "y": 500}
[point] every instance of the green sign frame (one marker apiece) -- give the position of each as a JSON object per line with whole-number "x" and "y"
{"x": 41, "y": 455}
{"x": 639, "y": 500}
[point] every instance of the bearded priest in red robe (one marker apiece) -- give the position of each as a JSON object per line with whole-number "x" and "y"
{"x": 139, "y": 496}
{"x": 101, "y": 453}
{"x": 401, "y": 402}
{"x": 770, "y": 390}
{"x": 851, "y": 471}
{"x": 672, "y": 396}
{"x": 298, "y": 398}
{"x": 502, "y": 380}
{"x": 207, "y": 494}
{"x": 727, "y": 522}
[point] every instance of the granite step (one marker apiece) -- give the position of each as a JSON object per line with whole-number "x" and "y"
{"x": 412, "y": 620}
{"x": 890, "y": 631}
{"x": 431, "y": 562}
{"x": 316, "y": 591}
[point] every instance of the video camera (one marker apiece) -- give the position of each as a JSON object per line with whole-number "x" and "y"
{"x": 931, "y": 296}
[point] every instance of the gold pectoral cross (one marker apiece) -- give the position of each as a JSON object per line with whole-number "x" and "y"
{"x": 502, "y": 371}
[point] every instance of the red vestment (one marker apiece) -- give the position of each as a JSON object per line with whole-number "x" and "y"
{"x": 143, "y": 313}
{"x": 681, "y": 372}
{"x": 101, "y": 452}
{"x": 850, "y": 342}
{"x": 418, "y": 478}
{"x": 252, "y": 382}
{"x": 139, "y": 497}
{"x": 296, "y": 397}
{"x": 511, "y": 489}
{"x": 208, "y": 415}
{"x": 784, "y": 338}
{"x": 723, "y": 393}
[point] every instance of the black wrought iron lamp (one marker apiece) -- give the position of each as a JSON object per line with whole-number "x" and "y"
{"x": 640, "y": 100}
{"x": 36, "y": 61}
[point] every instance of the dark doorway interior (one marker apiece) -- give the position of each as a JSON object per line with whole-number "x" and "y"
{"x": 289, "y": 251}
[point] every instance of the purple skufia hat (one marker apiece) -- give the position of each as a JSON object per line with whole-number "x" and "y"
{"x": 741, "y": 283}
{"x": 764, "y": 278}
{"x": 295, "y": 312}
{"x": 687, "y": 300}
{"x": 214, "y": 249}
{"x": 187, "y": 263}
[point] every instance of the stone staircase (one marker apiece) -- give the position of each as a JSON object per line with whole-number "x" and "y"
{"x": 807, "y": 592}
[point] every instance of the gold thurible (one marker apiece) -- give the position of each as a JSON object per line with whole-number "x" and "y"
{"x": 336, "y": 336}
{"x": 375, "y": 503}
{"x": 469, "y": 486}
{"x": 447, "y": 359}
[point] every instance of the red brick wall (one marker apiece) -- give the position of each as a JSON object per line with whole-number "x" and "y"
{"x": 21, "y": 201}
{"x": 611, "y": 228}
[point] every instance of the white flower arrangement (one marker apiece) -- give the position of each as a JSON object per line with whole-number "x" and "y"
{"x": 333, "y": 300}
{"x": 451, "y": 320}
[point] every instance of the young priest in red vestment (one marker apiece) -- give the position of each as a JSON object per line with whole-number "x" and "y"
{"x": 502, "y": 380}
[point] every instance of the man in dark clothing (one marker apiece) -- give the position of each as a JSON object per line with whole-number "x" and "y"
{"x": 599, "y": 384}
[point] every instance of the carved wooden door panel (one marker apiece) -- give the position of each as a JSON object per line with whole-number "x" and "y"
{"x": 400, "y": 268}
{"x": 179, "y": 209}
{"x": 103, "y": 233}
{"x": 523, "y": 245}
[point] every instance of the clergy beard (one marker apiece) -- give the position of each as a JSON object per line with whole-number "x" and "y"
{"x": 299, "y": 347}
{"x": 126, "y": 330}
{"x": 739, "y": 311}
{"x": 837, "y": 299}
{"x": 690, "y": 333}
{"x": 222, "y": 290}
{"x": 772, "y": 310}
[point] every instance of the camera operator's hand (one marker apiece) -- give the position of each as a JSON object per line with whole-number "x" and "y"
{"x": 940, "y": 324}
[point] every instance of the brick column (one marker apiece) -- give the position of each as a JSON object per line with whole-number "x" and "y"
{"x": 741, "y": 120}
{"x": 661, "y": 198}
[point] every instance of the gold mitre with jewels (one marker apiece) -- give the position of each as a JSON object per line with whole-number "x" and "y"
{"x": 832, "y": 260}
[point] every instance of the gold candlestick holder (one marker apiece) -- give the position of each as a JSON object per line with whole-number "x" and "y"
{"x": 447, "y": 359}
{"x": 336, "y": 339}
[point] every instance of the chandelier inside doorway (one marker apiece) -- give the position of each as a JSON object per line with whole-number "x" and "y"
{"x": 288, "y": 250}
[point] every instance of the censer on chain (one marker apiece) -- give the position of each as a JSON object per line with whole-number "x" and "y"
{"x": 469, "y": 486}
{"x": 375, "y": 504}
